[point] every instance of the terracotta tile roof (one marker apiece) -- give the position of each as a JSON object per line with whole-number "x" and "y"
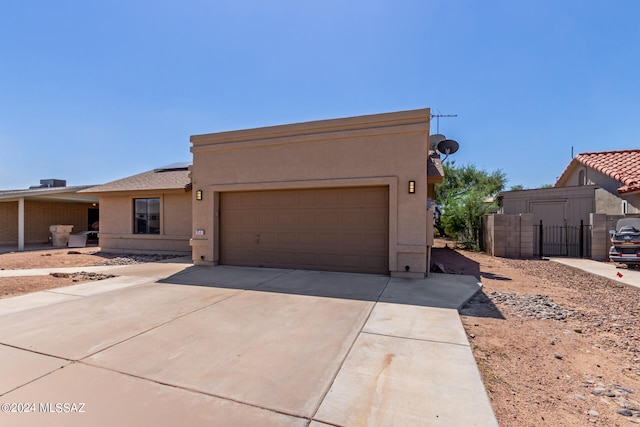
{"x": 621, "y": 165}
{"x": 157, "y": 179}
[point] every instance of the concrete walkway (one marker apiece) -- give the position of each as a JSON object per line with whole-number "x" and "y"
{"x": 173, "y": 344}
{"x": 608, "y": 270}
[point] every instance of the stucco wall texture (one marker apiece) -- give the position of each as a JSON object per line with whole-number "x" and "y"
{"x": 384, "y": 149}
{"x": 116, "y": 217}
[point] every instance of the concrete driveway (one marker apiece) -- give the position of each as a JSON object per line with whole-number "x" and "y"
{"x": 608, "y": 270}
{"x": 229, "y": 346}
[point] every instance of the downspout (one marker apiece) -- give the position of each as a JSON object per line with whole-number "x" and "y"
{"x": 21, "y": 224}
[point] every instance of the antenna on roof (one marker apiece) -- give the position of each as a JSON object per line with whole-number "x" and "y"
{"x": 437, "y": 116}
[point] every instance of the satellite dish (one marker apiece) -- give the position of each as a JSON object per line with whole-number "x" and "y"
{"x": 448, "y": 146}
{"x": 436, "y": 139}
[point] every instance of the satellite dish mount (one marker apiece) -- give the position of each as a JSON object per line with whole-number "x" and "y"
{"x": 448, "y": 146}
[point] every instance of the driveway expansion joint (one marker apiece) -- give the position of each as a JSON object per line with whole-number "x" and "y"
{"x": 348, "y": 352}
{"x": 417, "y": 339}
{"x": 190, "y": 390}
{"x": 155, "y": 327}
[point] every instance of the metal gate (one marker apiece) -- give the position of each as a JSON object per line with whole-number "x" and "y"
{"x": 562, "y": 240}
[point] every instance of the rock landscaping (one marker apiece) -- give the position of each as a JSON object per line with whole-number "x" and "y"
{"x": 555, "y": 346}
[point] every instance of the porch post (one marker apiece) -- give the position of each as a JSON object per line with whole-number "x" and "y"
{"x": 21, "y": 224}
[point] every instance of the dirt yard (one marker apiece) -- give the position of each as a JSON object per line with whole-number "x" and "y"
{"x": 555, "y": 346}
{"x": 13, "y": 286}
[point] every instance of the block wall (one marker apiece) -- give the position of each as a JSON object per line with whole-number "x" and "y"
{"x": 38, "y": 216}
{"x": 508, "y": 236}
{"x": 8, "y": 223}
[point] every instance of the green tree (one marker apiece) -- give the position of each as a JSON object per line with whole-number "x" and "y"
{"x": 464, "y": 196}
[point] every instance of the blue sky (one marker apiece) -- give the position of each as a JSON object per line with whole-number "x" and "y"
{"x": 92, "y": 91}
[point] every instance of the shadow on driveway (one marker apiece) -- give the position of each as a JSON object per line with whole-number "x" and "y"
{"x": 437, "y": 290}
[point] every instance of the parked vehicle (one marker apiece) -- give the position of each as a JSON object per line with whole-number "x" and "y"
{"x": 625, "y": 241}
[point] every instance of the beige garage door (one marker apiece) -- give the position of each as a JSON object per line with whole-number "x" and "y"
{"x": 345, "y": 229}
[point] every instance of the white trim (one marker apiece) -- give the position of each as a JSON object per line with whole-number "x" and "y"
{"x": 21, "y": 224}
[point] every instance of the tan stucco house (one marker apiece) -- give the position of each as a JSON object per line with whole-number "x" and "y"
{"x": 606, "y": 182}
{"x": 147, "y": 212}
{"x": 616, "y": 173}
{"x": 593, "y": 192}
{"x": 345, "y": 194}
{"x": 27, "y": 214}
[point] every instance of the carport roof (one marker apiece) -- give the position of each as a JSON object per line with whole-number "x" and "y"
{"x": 172, "y": 177}
{"x": 51, "y": 194}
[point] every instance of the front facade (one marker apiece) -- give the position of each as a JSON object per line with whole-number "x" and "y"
{"x": 148, "y": 212}
{"x": 340, "y": 195}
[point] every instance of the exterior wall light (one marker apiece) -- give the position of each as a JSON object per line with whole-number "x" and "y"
{"x": 412, "y": 187}
{"x": 199, "y": 195}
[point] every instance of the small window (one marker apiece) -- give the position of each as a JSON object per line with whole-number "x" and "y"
{"x": 581, "y": 178}
{"x": 625, "y": 207}
{"x": 146, "y": 213}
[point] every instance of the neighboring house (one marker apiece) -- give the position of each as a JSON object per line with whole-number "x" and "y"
{"x": 617, "y": 173}
{"x": 148, "y": 212}
{"x": 346, "y": 194}
{"x": 26, "y": 215}
{"x": 594, "y": 190}
{"x": 555, "y": 206}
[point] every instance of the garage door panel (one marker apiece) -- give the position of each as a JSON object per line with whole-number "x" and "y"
{"x": 372, "y": 261}
{"x": 342, "y": 229}
{"x": 267, "y": 219}
{"x": 243, "y": 257}
{"x": 240, "y": 219}
{"x": 328, "y": 198}
{"x": 351, "y": 239}
{"x": 287, "y": 238}
{"x": 238, "y": 239}
{"x": 264, "y": 199}
{"x": 374, "y": 240}
{"x": 242, "y": 201}
{"x": 308, "y": 238}
{"x": 374, "y": 220}
{"x": 328, "y": 219}
{"x": 309, "y": 259}
{"x": 266, "y": 259}
{"x": 307, "y": 219}
{"x": 287, "y": 199}
{"x": 287, "y": 257}
{"x": 328, "y": 259}
{"x": 375, "y": 198}
{"x": 308, "y": 200}
{"x": 328, "y": 239}
{"x": 352, "y": 219}
{"x": 266, "y": 239}
{"x": 287, "y": 219}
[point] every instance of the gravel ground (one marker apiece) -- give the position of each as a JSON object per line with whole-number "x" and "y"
{"x": 555, "y": 346}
